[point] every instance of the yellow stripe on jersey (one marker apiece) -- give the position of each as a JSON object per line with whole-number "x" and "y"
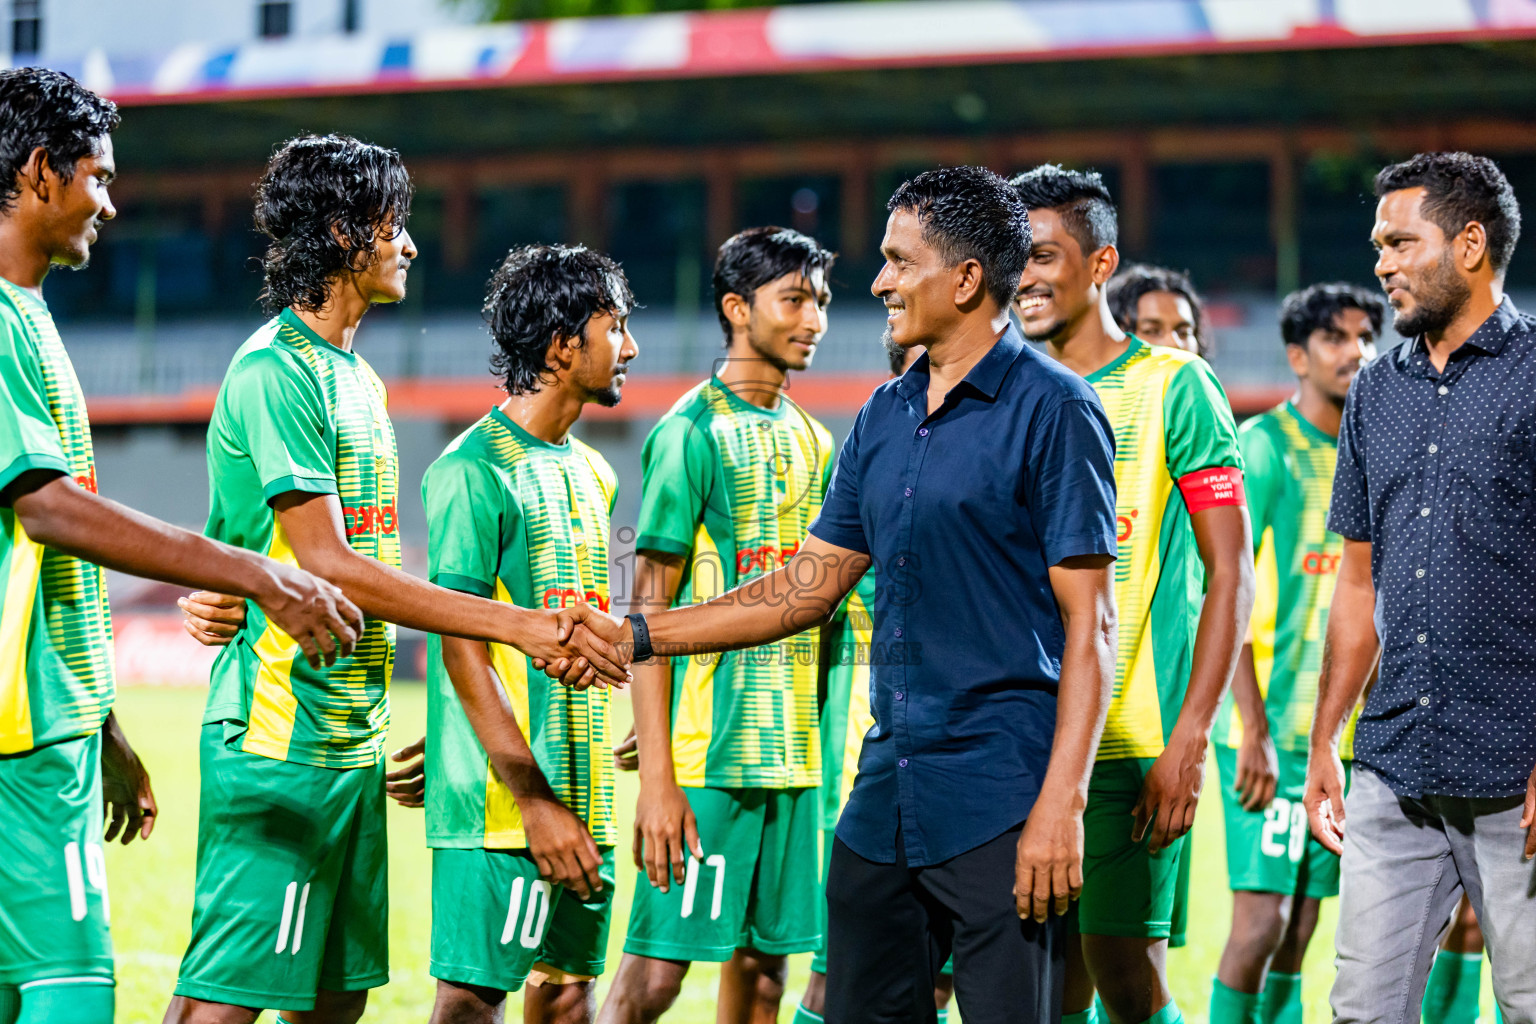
{"x": 694, "y": 725}
{"x": 274, "y": 708}
{"x": 15, "y": 626}
{"x": 860, "y": 720}
{"x": 503, "y": 820}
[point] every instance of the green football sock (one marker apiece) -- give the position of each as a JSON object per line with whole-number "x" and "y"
{"x": 1229, "y": 1006}
{"x": 1280, "y": 1002}
{"x": 1081, "y": 1017}
{"x": 943, "y": 1015}
{"x": 804, "y": 1016}
{"x": 1455, "y": 983}
{"x": 68, "y": 1004}
{"x": 1100, "y": 1012}
{"x": 10, "y": 1004}
{"x": 1167, "y": 1015}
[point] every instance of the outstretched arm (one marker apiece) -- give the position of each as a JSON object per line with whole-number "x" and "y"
{"x": 804, "y": 593}
{"x": 315, "y": 528}
{"x": 1350, "y": 650}
{"x": 1049, "y": 871}
{"x": 59, "y": 514}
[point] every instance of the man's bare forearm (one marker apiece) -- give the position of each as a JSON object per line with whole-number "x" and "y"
{"x": 61, "y": 515}
{"x": 1082, "y": 701}
{"x": 490, "y": 715}
{"x": 1223, "y": 538}
{"x": 1245, "y": 693}
{"x": 1350, "y": 650}
{"x": 657, "y": 577}
{"x": 789, "y": 600}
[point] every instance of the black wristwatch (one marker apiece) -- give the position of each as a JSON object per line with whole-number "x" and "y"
{"x": 642, "y": 635}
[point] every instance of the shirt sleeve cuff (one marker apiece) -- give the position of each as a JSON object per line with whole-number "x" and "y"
{"x": 666, "y": 545}
{"x": 1348, "y": 529}
{"x": 853, "y": 540}
{"x": 464, "y": 584}
{"x": 1060, "y": 549}
{"x": 30, "y": 461}
{"x": 307, "y": 484}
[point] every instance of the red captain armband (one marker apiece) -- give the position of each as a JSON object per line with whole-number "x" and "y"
{"x": 1209, "y": 488}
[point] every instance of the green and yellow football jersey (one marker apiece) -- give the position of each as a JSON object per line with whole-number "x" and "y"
{"x": 56, "y": 675}
{"x": 732, "y": 488}
{"x": 845, "y": 715}
{"x": 523, "y": 521}
{"x": 1171, "y": 419}
{"x": 296, "y": 413}
{"x": 1288, "y": 474}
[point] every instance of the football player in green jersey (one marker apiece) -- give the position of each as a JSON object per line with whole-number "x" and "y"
{"x": 729, "y": 751}
{"x": 1159, "y": 306}
{"x": 1279, "y": 873}
{"x": 290, "y": 910}
{"x": 520, "y": 813}
{"x": 61, "y": 750}
{"x": 1178, "y": 475}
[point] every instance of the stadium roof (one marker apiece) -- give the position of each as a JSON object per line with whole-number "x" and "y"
{"x": 782, "y": 40}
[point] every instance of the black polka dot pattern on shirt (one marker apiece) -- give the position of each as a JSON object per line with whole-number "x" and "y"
{"x": 1437, "y": 469}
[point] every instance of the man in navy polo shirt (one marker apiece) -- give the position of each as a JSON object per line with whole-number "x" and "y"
{"x": 980, "y": 483}
{"x": 1435, "y": 498}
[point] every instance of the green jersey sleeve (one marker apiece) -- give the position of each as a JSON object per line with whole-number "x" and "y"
{"x": 1263, "y": 476}
{"x": 678, "y": 467}
{"x": 468, "y": 514}
{"x": 278, "y": 411}
{"x": 1199, "y": 431}
{"x": 29, "y": 437}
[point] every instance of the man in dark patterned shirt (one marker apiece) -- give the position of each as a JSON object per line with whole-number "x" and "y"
{"x": 1435, "y": 496}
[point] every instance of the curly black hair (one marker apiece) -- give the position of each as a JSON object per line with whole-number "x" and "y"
{"x": 971, "y": 213}
{"x": 1315, "y": 307}
{"x": 541, "y": 292}
{"x": 1086, "y": 207}
{"x": 1458, "y": 189}
{"x": 322, "y": 201}
{"x": 45, "y": 109}
{"x": 1126, "y": 288}
{"x": 750, "y": 259}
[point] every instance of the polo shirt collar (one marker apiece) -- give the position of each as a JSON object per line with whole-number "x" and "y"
{"x": 1490, "y": 337}
{"x": 985, "y": 378}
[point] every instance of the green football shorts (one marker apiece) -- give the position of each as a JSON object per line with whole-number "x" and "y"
{"x": 1126, "y": 889}
{"x": 292, "y": 892}
{"x": 53, "y": 874}
{"x": 494, "y": 920}
{"x": 1273, "y": 850}
{"x": 819, "y": 961}
{"x": 758, "y": 887}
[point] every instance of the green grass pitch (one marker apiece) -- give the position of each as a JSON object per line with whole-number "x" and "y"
{"x": 151, "y": 886}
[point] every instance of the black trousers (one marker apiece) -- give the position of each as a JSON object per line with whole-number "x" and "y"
{"x": 891, "y": 927}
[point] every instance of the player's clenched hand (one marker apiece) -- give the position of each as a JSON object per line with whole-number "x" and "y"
{"x": 1165, "y": 810}
{"x": 407, "y": 785}
{"x": 316, "y": 614}
{"x": 1258, "y": 770}
{"x": 626, "y": 756}
{"x": 128, "y": 800}
{"x": 561, "y": 846}
{"x": 1324, "y": 799}
{"x": 212, "y": 619}
{"x": 1048, "y": 871}
{"x": 665, "y": 833}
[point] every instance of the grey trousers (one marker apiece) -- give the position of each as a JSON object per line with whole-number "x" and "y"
{"x": 1406, "y": 864}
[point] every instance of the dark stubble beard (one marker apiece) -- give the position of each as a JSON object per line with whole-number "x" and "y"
{"x": 1437, "y": 301}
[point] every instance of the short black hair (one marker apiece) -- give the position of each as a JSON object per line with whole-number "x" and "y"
{"x": 1315, "y": 308}
{"x": 1086, "y": 207}
{"x": 1460, "y": 188}
{"x": 41, "y": 108}
{"x": 750, "y": 259}
{"x": 970, "y": 213}
{"x": 322, "y": 201}
{"x": 541, "y": 292}
{"x": 1126, "y": 288}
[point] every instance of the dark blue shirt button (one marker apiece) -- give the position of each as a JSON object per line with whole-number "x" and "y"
{"x": 902, "y": 763}
{"x": 909, "y": 492}
{"x": 900, "y": 695}
{"x": 922, "y": 432}
{"x": 898, "y": 631}
{"x": 903, "y": 561}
